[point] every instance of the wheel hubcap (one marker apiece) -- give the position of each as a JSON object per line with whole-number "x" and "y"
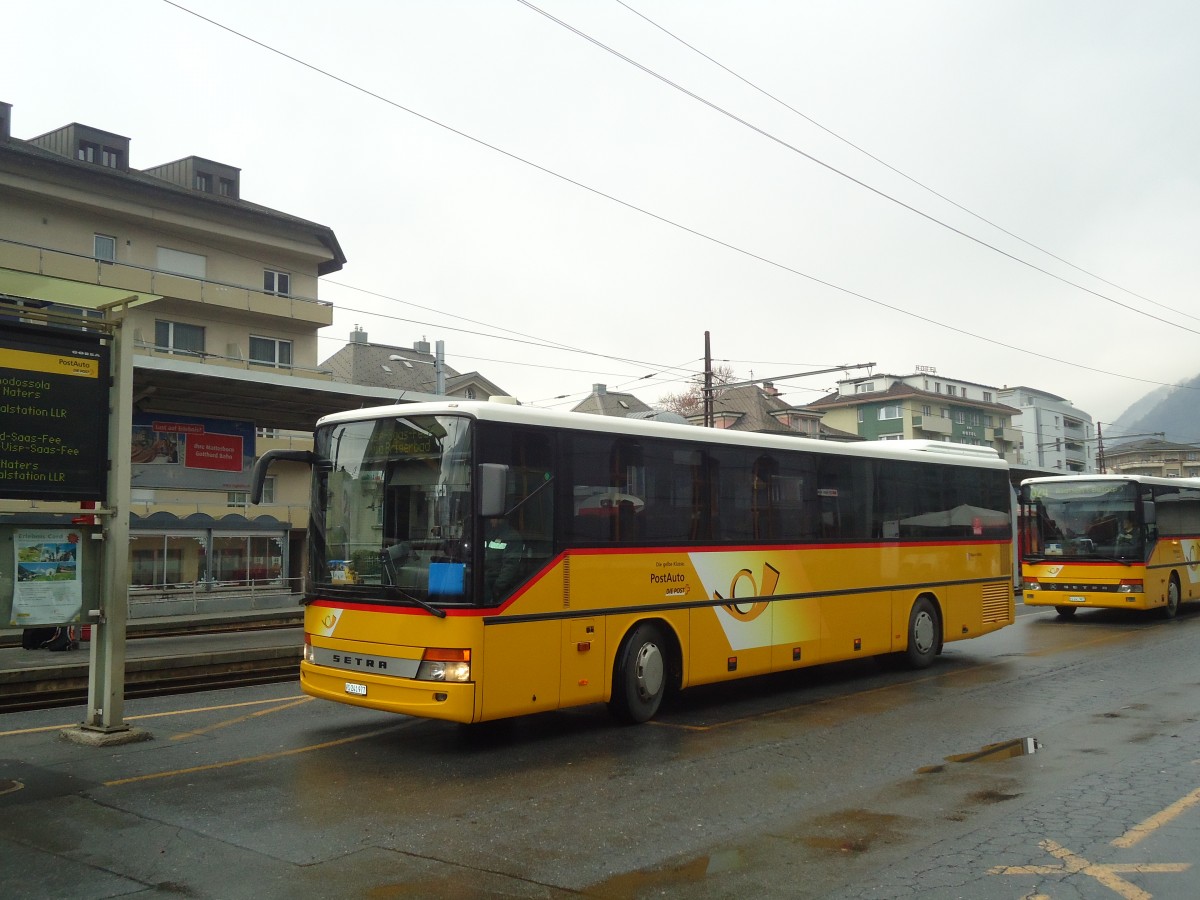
{"x": 648, "y": 671}
{"x": 923, "y": 632}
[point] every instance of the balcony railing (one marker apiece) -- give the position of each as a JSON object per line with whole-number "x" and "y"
{"x": 932, "y": 424}
{"x": 144, "y": 280}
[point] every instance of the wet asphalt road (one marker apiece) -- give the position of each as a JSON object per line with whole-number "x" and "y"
{"x": 855, "y": 780}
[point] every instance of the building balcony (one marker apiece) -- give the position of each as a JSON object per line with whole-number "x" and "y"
{"x": 932, "y": 424}
{"x": 74, "y": 267}
{"x": 1009, "y": 434}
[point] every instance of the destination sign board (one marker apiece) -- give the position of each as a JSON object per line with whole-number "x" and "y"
{"x": 54, "y": 403}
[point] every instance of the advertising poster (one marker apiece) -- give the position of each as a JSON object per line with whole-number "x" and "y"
{"x": 53, "y": 414}
{"x": 47, "y": 589}
{"x": 170, "y": 451}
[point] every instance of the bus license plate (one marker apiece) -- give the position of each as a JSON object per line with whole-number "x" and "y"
{"x": 353, "y": 687}
{"x": 1072, "y": 599}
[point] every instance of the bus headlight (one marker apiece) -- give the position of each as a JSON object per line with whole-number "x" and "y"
{"x": 1130, "y": 586}
{"x": 309, "y": 656}
{"x": 1031, "y": 584}
{"x": 445, "y": 665}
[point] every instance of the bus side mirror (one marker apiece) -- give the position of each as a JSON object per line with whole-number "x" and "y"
{"x": 493, "y": 485}
{"x": 259, "y": 476}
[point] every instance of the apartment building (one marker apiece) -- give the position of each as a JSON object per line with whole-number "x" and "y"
{"x": 1053, "y": 433}
{"x": 219, "y": 297}
{"x": 1164, "y": 459}
{"x": 922, "y": 405}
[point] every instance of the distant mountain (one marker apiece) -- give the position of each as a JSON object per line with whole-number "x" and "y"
{"x": 1175, "y": 411}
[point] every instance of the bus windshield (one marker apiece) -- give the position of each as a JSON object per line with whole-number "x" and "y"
{"x": 391, "y": 509}
{"x": 1085, "y": 519}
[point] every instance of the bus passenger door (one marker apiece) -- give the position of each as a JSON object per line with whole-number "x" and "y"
{"x": 583, "y": 656}
{"x": 521, "y": 665}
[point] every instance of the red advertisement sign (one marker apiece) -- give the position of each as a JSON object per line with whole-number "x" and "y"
{"x": 214, "y": 451}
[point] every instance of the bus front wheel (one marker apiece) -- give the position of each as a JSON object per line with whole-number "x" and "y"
{"x": 639, "y": 674}
{"x": 1172, "y": 607}
{"x": 1065, "y": 612}
{"x": 924, "y": 634}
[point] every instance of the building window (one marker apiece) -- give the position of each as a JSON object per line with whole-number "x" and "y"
{"x": 104, "y": 248}
{"x": 178, "y": 337}
{"x": 937, "y": 387}
{"x": 889, "y": 412}
{"x": 241, "y": 499}
{"x": 270, "y": 351}
{"x": 202, "y": 181}
{"x": 864, "y": 387}
{"x": 987, "y": 420}
{"x": 945, "y": 413}
{"x": 470, "y": 393}
{"x": 111, "y": 157}
{"x": 861, "y": 415}
{"x": 987, "y": 396}
{"x": 960, "y": 417}
{"x": 87, "y": 151}
{"x": 226, "y": 187}
{"x": 279, "y": 283}
{"x": 180, "y": 262}
{"x": 952, "y": 389}
{"x": 891, "y": 437}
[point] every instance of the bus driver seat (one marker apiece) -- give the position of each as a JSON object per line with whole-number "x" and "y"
{"x": 393, "y": 558}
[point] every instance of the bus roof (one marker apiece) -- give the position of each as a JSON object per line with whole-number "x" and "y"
{"x": 1138, "y": 479}
{"x": 915, "y": 450}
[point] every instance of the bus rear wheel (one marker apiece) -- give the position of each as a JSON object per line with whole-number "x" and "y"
{"x": 1065, "y": 612}
{"x": 924, "y": 634}
{"x": 639, "y": 674}
{"x": 1172, "y": 607}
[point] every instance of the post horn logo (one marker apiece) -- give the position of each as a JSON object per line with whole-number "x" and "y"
{"x": 753, "y": 607}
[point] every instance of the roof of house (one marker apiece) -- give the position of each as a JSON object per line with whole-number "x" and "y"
{"x": 899, "y": 390}
{"x": 603, "y": 402}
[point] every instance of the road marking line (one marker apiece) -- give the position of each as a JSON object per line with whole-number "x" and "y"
{"x": 159, "y": 715}
{"x": 263, "y": 757}
{"x": 1143, "y": 830}
{"x": 1108, "y": 875}
{"x": 234, "y": 721}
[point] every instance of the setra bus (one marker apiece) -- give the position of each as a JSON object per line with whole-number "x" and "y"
{"x": 470, "y": 561}
{"x": 1115, "y": 541}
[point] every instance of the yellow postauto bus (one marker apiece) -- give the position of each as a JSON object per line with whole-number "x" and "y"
{"x": 1115, "y": 541}
{"x": 470, "y": 561}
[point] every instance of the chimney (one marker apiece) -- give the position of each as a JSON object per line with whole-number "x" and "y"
{"x": 421, "y": 346}
{"x": 5, "y": 120}
{"x": 358, "y": 336}
{"x": 599, "y": 389}
{"x": 769, "y": 389}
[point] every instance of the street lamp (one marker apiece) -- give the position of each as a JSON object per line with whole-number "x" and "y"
{"x": 439, "y": 364}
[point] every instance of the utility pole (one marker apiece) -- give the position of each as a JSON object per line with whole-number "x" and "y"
{"x": 708, "y": 382}
{"x": 1100, "y": 464}
{"x": 709, "y": 390}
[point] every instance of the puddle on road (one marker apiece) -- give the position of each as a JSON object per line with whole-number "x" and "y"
{"x": 635, "y": 884}
{"x": 989, "y": 753}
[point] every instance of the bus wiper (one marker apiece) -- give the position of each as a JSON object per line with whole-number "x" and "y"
{"x": 424, "y": 604}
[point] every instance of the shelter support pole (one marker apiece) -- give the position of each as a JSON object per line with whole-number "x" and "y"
{"x": 106, "y": 674}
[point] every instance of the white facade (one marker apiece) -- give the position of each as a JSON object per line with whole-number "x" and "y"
{"x": 1054, "y": 434}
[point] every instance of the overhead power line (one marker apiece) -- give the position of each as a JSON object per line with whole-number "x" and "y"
{"x": 897, "y": 171}
{"x": 834, "y": 169}
{"x": 664, "y": 219}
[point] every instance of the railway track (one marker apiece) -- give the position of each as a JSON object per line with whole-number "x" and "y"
{"x": 188, "y": 662}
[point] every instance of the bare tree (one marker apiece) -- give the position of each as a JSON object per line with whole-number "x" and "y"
{"x": 690, "y": 402}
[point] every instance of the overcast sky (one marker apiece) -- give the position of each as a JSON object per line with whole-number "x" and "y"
{"x": 622, "y": 216}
